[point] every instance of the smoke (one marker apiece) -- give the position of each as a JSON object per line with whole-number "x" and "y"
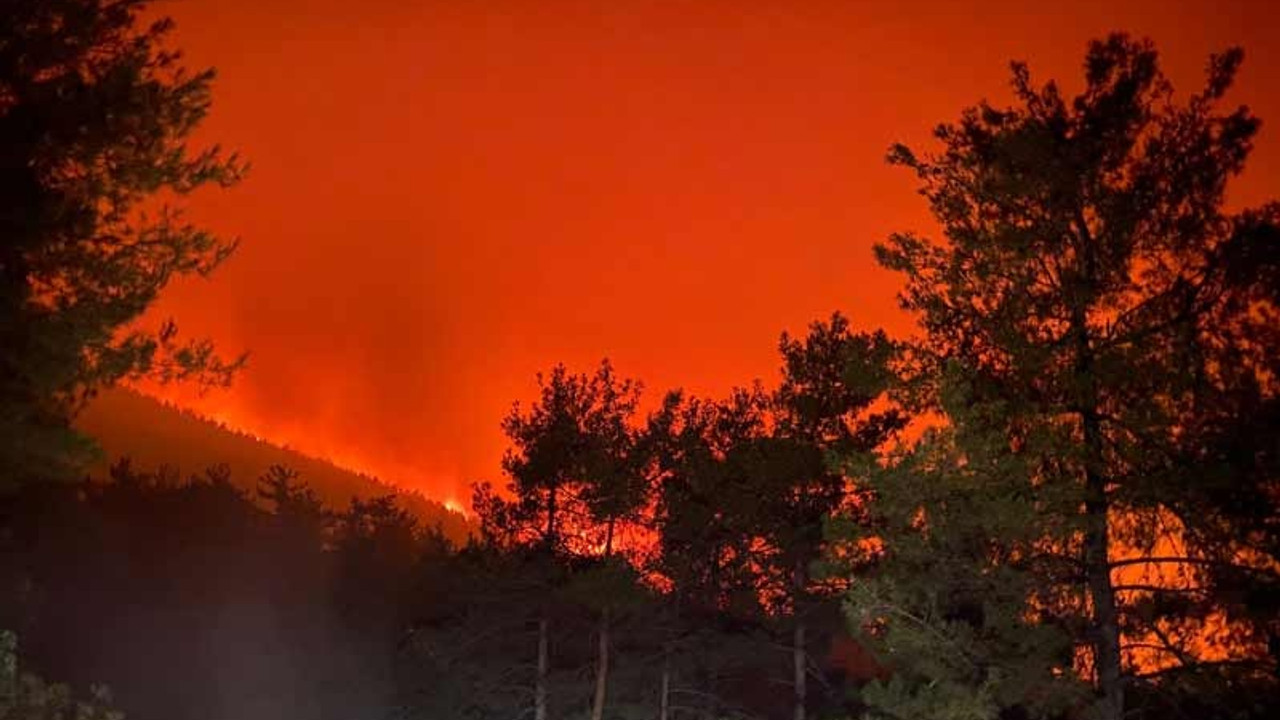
{"x": 446, "y": 199}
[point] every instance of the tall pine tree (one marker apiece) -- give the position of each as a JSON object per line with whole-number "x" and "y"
{"x": 831, "y": 380}
{"x": 95, "y": 116}
{"x": 1092, "y": 531}
{"x": 575, "y": 482}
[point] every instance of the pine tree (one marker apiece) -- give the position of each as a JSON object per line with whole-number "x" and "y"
{"x": 712, "y": 614}
{"x": 1091, "y": 532}
{"x": 95, "y": 116}
{"x": 745, "y": 490}
{"x": 575, "y": 482}
{"x": 831, "y": 378}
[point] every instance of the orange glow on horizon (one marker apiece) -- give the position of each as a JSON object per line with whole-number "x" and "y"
{"x": 446, "y": 198}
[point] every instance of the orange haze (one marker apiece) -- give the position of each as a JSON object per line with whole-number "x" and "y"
{"x": 447, "y": 197}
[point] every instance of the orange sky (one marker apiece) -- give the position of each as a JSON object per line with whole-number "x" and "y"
{"x": 449, "y": 196}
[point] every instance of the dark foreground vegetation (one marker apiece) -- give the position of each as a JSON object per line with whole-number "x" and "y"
{"x": 1058, "y": 500}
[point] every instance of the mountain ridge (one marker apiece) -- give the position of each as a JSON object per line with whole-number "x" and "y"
{"x": 154, "y": 433}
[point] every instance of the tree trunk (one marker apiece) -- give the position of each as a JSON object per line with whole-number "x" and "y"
{"x": 549, "y": 537}
{"x": 798, "y": 663}
{"x": 602, "y": 650}
{"x": 1097, "y": 542}
{"x": 602, "y": 668}
{"x": 1106, "y": 645}
{"x": 798, "y": 655}
{"x": 664, "y": 690}
{"x": 540, "y": 686}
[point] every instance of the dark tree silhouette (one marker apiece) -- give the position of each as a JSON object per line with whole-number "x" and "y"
{"x": 1101, "y": 334}
{"x": 744, "y": 489}
{"x": 95, "y": 112}
{"x": 1086, "y": 526}
{"x": 713, "y": 616}
{"x": 574, "y": 482}
{"x": 201, "y": 603}
{"x": 831, "y": 378}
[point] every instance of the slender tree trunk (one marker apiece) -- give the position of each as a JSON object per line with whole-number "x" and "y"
{"x": 798, "y": 655}
{"x": 1097, "y": 541}
{"x": 540, "y": 686}
{"x": 664, "y": 690}
{"x": 798, "y": 662}
{"x": 602, "y": 668}
{"x": 1106, "y": 646}
{"x": 550, "y": 535}
{"x": 602, "y": 651}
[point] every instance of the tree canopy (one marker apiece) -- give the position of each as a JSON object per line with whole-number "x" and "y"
{"x": 1094, "y": 525}
{"x": 1059, "y": 500}
{"x": 96, "y": 113}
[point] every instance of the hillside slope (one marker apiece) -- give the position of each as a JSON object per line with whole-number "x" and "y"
{"x": 151, "y": 434}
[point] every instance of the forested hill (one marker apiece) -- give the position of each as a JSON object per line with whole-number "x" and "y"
{"x": 151, "y": 434}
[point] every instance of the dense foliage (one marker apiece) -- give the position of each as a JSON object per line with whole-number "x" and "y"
{"x": 634, "y": 568}
{"x": 1093, "y": 529}
{"x": 95, "y": 115}
{"x": 1081, "y": 524}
